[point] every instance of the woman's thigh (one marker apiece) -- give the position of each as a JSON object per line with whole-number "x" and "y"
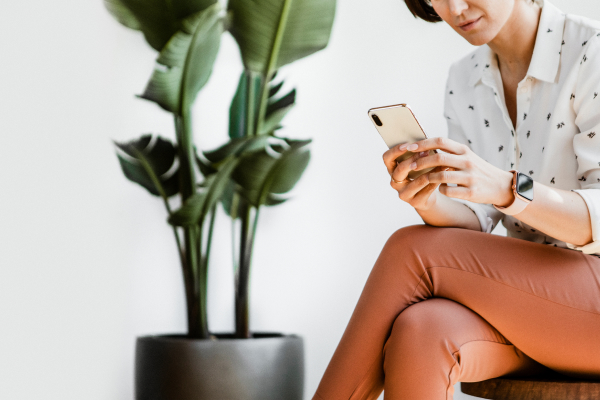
{"x": 545, "y": 300}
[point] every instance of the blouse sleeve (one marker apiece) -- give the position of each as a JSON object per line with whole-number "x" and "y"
{"x": 587, "y": 143}
{"x": 487, "y": 215}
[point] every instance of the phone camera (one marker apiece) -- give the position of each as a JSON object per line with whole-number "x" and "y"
{"x": 377, "y": 120}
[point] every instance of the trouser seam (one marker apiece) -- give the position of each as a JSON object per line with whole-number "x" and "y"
{"x": 456, "y": 361}
{"x": 318, "y": 397}
{"x": 374, "y": 363}
{"x": 502, "y": 283}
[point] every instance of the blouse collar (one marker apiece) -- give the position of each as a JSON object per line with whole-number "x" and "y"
{"x": 545, "y": 60}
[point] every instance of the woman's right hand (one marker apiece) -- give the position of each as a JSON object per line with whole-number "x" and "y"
{"x": 419, "y": 193}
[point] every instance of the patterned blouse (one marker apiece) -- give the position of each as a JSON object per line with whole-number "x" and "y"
{"x": 558, "y": 116}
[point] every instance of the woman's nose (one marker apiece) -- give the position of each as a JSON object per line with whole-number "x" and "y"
{"x": 457, "y": 7}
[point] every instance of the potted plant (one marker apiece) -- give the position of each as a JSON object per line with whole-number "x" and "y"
{"x": 255, "y": 168}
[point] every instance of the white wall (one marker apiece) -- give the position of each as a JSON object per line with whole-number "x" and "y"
{"x": 87, "y": 262}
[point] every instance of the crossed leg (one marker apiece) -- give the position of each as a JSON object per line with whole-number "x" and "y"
{"x": 438, "y": 342}
{"x": 545, "y": 300}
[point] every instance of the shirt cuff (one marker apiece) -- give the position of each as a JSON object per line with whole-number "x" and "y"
{"x": 486, "y": 223}
{"x": 592, "y": 200}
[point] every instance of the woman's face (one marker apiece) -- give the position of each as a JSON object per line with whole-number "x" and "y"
{"x": 478, "y": 21}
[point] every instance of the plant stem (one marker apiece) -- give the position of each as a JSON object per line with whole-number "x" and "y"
{"x": 250, "y": 111}
{"x": 241, "y": 278}
{"x": 197, "y": 323}
{"x": 272, "y": 64}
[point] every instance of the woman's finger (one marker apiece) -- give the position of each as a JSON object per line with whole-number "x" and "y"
{"x": 390, "y": 156}
{"x": 401, "y": 170}
{"x": 441, "y": 159}
{"x": 409, "y": 190}
{"x": 441, "y": 143}
{"x": 458, "y": 177}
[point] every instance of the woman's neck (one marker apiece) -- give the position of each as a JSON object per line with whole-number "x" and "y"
{"x": 515, "y": 42}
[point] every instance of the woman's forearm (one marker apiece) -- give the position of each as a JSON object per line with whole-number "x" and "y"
{"x": 448, "y": 212}
{"x": 561, "y": 214}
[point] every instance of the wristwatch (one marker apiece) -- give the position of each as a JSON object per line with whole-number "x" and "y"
{"x": 522, "y": 186}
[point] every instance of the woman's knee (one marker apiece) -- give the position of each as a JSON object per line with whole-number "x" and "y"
{"x": 424, "y": 329}
{"x": 413, "y": 237}
{"x": 432, "y": 321}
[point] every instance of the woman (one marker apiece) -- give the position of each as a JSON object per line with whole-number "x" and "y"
{"x": 449, "y": 302}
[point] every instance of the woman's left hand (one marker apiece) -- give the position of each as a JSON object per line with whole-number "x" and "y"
{"x": 478, "y": 181}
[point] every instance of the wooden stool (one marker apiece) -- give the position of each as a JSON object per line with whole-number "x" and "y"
{"x": 556, "y": 387}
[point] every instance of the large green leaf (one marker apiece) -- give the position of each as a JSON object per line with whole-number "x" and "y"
{"x": 157, "y": 19}
{"x": 123, "y": 14}
{"x": 247, "y": 99}
{"x": 273, "y": 33}
{"x": 277, "y": 109}
{"x": 243, "y": 109}
{"x": 237, "y": 147}
{"x": 185, "y": 63}
{"x": 276, "y": 170}
{"x": 233, "y": 206}
{"x": 197, "y": 207}
{"x": 151, "y": 162}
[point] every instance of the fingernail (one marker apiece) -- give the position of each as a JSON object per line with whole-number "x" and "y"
{"x": 403, "y": 146}
{"x": 422, "y": 154}
{"x": 412, "y": 147}
{"x": 413, "y": 165}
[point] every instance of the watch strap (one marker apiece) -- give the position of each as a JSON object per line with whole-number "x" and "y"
{"x": 518, "y": 203}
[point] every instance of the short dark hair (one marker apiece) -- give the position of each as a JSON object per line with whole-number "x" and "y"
{"x": 421, "y": 9}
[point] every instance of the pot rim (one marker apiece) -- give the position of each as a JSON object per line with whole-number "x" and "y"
{"x": 220, "y": 337}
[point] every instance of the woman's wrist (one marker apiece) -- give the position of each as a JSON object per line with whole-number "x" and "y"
{"x": 505, "y": 193}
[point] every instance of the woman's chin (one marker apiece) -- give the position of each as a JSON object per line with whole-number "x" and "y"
{"x": 477, "y": 39}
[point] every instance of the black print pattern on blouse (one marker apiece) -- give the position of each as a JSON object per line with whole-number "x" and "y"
{"x": 595, "y": 94}
{"x": 469, "y": 141}
{"x": 584, "y": 43}
{"x": 548, "y": 117}
{"x": 451, "y": 92}
{"x": 528, "y": 133}
{"x": 552, "y": 181}
{"x": 572, "y": 96}
{"x": 520, "y": 154}
{"x": 560, "y": 125}
{"x": 524, "y": 116}
{"x": 582, "y": 179}
{"x": 512, "y": 133}
{"x": 487, "y": 123}
{"x": 502, "y": 147}
{"x": 530, "y": 172}
{"x": 549, "y": 30}
{"x": 471, "y": 107}
{"x": 591, "y": 134}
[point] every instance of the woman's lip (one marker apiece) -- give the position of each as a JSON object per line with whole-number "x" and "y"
{"x": 468, "y": 25}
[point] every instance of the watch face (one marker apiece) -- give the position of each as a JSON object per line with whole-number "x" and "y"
{"x": 525, "y": 186}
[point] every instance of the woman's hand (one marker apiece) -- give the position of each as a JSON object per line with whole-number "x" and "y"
{"x": 478, "y": 181}
{"x": 417, "y": 193}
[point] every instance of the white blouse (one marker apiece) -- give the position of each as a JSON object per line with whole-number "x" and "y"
{"x": 558, "y": 115}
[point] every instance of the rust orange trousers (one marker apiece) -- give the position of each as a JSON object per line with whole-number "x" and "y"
{"x": 447, "y": 305}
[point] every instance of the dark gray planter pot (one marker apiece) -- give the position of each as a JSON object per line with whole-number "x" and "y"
{"x": 269, "y": 366}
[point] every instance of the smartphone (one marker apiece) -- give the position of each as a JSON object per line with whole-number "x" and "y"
{"x": 397, "y": 124}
